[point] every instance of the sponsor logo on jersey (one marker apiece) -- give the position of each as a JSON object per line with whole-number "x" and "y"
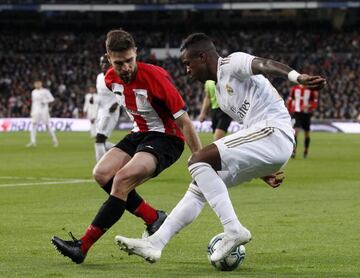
{"x": 242, "y": 110}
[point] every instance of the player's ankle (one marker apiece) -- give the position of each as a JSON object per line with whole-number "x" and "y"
{"x": 156, "y": 242}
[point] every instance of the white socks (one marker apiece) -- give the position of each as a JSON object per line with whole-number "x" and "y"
{"x": 185, "y": 212}
{"x": 99, "y": 150}
{"x": 93, "y": 130}
{"x": 216, "y": 194}
{"x": 33, "y": 133}
{"x": 102, "y": 148}
{"x": 52, "y": 134}
{"x": 109, "y": 145}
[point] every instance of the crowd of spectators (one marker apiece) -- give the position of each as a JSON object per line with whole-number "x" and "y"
{"x": 67, "y": 62}
{"x": 125, "y": 2}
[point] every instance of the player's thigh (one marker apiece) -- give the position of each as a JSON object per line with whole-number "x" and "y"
{"x": 298, "y": 120}
{"x": 306, "y": 122}
{"x": 111, "y": 162}
{"x": 36, "y": 118}
{"x": 140, "y": 168}
{"x": 224, "y": 121}
{"x": 253, "y": 153}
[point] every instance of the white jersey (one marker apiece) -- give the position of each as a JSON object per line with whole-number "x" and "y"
{"x": 106, "y": 97}
{"x": 91, "y": 109}
{"x": 247, "y": 98}
{"x": 40, "y": 99}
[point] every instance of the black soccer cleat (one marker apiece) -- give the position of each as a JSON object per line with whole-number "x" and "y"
{"x": 152, "y": 228}
{"x": 305, "y": 154}
{"x": 69, "y": 248}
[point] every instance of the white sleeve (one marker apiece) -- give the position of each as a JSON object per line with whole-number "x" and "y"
{"x": 240, "y": 65}
{"x": 49, "y": 97}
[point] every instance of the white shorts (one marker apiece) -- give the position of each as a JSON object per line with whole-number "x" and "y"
{"x": 106, "y": 122}
{"x": 40, "y": 118}
{"x": 253, "y": 153}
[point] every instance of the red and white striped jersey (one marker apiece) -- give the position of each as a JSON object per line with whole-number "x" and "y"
{"x": 302, "y": 99}
{"x": 151, "y": 99}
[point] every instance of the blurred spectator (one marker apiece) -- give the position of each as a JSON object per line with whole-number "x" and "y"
{"x": 67, "y": 62}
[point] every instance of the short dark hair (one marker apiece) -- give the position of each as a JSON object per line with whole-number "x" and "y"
{"x": 198, "y": 41}
{"x": 119, "y": 40}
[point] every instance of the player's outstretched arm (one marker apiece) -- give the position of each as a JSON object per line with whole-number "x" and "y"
{"x": 191, "y": 137}
{"x": 277, "y": 69}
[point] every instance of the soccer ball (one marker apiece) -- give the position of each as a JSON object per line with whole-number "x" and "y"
{"x": 231, "y": 261}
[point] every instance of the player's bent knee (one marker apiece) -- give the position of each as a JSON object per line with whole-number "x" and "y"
{"x": 122, "y": 186}
{"x": 101, "y": 177}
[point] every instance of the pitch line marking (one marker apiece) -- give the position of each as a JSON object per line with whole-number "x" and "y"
{"x": 34, "y": 178}
{"x": 48, "y": 183}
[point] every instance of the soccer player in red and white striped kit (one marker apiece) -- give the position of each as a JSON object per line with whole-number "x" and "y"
{"x": 301, "y": 103}
{"x": 161, "y": 125}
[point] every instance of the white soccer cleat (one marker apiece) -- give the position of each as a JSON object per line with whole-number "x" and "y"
{"x": 31, "y": 145}
{"x": 228, "y": 243}
{"x": 141, "y": 247}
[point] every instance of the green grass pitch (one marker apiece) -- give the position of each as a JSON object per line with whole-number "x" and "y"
{"x": 309, "y": 227}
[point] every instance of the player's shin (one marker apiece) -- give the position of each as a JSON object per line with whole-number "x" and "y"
{"x": 136, "y": 205}
{"x": 33, "y": 133}
{"x": 216, "y": 194}
{"x": 185, "y": 212}
{"x": 100, "y": 150}
{"x": 109, "y": 213}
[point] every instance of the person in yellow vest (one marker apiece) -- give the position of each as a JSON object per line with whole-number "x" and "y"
{"x": 220, "y": 120}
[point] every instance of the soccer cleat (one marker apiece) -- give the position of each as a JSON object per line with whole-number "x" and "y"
{"x": 70, "y": 248}
{"x": 152, "y": 228}
{"x": 305, "y": 154}
{"x": 31, "y": 145}
{"x": 229, "y": 243}
{"x": 141, "y": 247}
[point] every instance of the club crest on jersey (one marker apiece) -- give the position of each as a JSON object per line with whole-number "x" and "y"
{"x": 117, "y": 88}
{"x": 229, "y": 90}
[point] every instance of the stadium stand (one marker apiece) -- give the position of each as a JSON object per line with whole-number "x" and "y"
{"x": 67, "y": 61}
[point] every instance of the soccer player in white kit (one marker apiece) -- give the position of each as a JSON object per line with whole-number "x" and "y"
{"x": 259, "y": 150}
{"x": 40, "y": 99}
{"x": 91, "y": 109}
{"x": 108, "y": 112}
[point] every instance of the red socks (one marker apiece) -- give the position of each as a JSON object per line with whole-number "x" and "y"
{"x": 146, "y": 212}
{"x": 92, "y": 234}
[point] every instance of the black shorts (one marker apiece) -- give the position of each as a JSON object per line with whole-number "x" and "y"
{"x": 220, "y": 120}
{"x": 302, "y": 120}
{"x": 166, "y": 148}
